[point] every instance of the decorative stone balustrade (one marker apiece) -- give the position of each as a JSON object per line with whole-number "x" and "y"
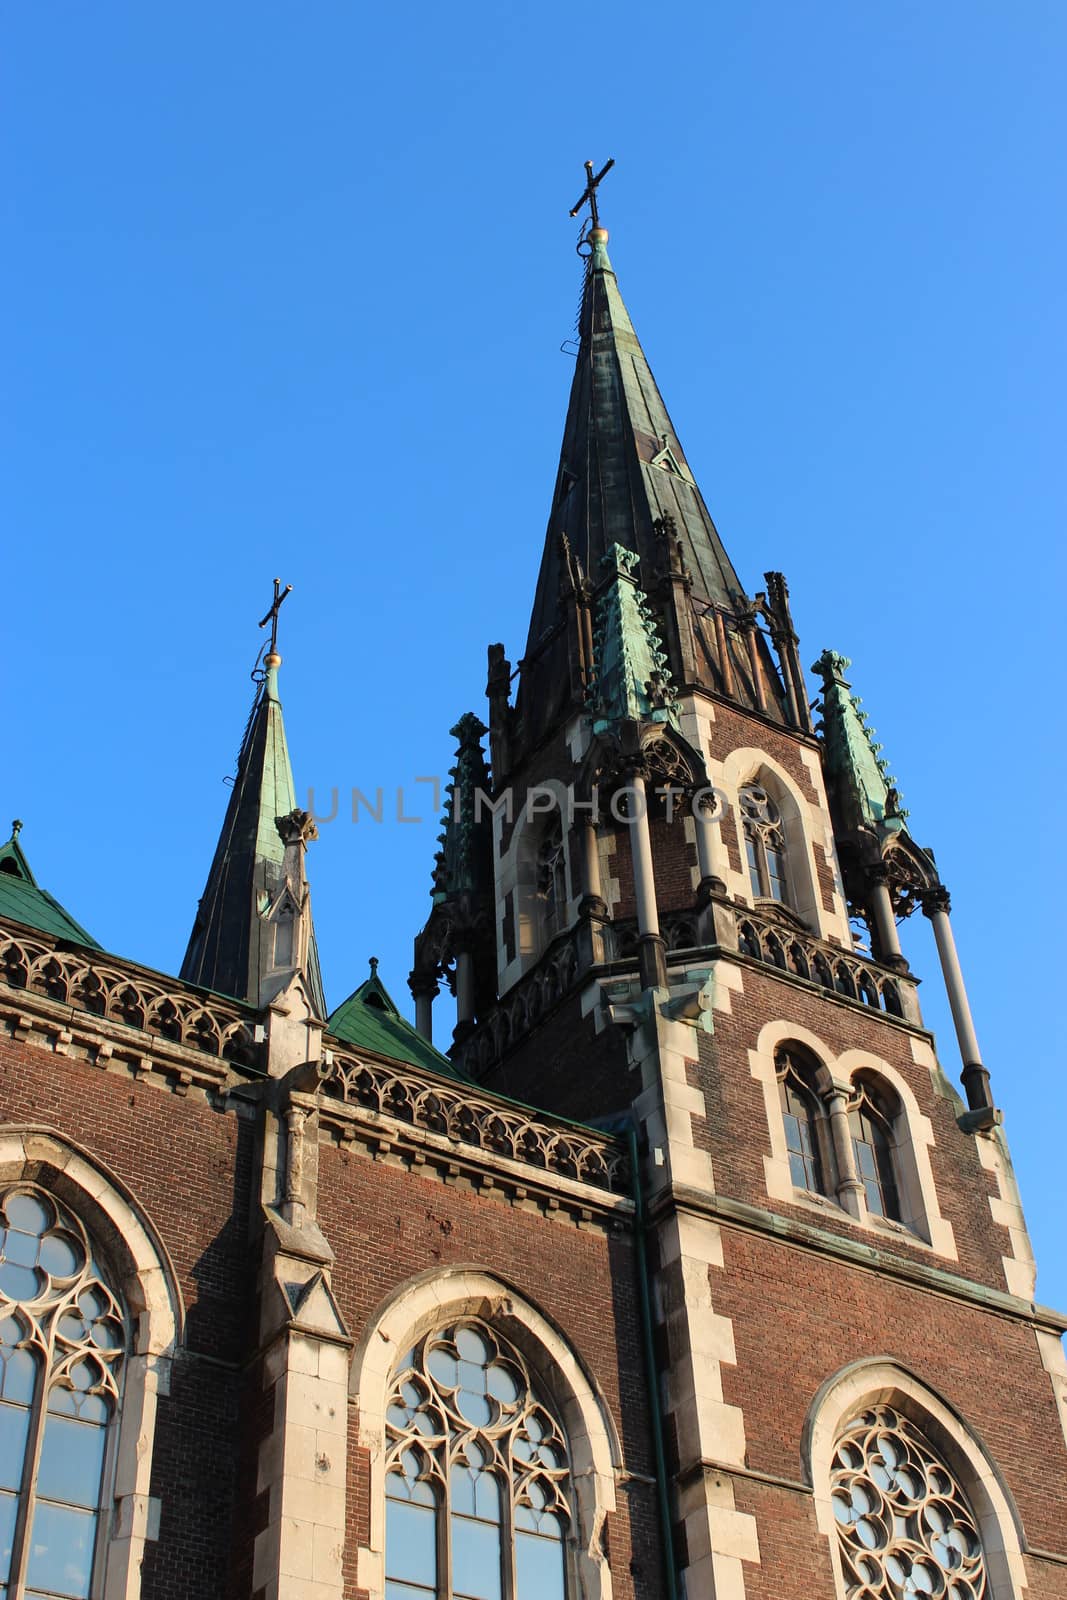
{"x": 455, "y": 1113}
{"x": 800, "y": 955}
{"x": 86, "y": 983}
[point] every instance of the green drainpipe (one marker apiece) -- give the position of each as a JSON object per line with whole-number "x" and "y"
{"x": 651, "y": 1375}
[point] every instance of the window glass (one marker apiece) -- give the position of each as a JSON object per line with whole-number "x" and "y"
{"x": 764, "y": 843}
{"x": 473, "y": 1448}
{"x": 62, "y": 1339}
{"x": 873, "y": 1151}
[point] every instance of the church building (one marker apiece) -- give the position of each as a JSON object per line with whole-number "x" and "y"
{"x": 662, "y": 1258}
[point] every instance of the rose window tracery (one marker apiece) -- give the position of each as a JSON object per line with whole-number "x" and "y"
{"x": 903, "y": 1521}
{"x": 477, "y": 1485}
{"x": 62, "y": 1340}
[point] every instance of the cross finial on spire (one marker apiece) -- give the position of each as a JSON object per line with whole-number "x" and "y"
{"x": 591, "y": 186}
{"x": 272, "y": 614}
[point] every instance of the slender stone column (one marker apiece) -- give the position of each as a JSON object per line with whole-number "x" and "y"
{"x": 650, "y": 942}
{"x": 425, "y": 989}
{"x": 711, "y": 849}
{"x": 975, "y": 1077}
{"x": 849, "y": 1187}
{"x": 464, "y": 987}
{"x": 752, "y": 642}
{"x": 592, "y": 902}
{"x": 887, "y": 940}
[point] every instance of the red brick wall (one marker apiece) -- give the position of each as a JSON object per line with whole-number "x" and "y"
{"x": 190, "y": 1169}
{"x": 387, "y": 1224}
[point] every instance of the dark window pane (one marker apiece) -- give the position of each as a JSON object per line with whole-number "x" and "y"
{"x": 538, "y": 1567}
{"x": 72, "y": 1457}
{"x": 411, "y": 1544}
{"x": 61, "y": 1550}
{"x": 14, "y": 1423}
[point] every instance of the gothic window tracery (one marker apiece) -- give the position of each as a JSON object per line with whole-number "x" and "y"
{"x": 63, "y": 1336}
{"x": 477, "y": 1486}
{"x": 904, "y": 1523}
{"x": 764, "y": 844}
{"x": 870, "y": 1121}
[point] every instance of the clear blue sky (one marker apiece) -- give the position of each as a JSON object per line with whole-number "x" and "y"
{"x": 284, "y": 292}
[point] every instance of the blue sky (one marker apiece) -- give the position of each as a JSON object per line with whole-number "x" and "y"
{"x": 285, "y": 289}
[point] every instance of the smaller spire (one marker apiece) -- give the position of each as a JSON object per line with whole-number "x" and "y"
{"x": 866, "y": 793}
{"x": 253, "y": 932}
{"x": 631, "y": 678}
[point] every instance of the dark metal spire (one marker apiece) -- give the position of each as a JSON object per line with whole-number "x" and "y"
{"x": 624, "y": 480}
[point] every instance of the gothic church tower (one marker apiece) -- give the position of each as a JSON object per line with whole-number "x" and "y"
{"x": 647, "y": 915}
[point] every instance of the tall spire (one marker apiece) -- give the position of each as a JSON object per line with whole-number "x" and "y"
{"x": 253, "y": 932}
{"x": 624, "y": 480}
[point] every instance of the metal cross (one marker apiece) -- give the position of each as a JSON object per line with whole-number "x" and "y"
{"x": 591, "y": 184}
{"x": 272, "y": 614}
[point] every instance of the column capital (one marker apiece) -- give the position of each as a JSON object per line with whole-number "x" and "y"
{"x": 424, "y": 985}
{"x": 936, "y": 899}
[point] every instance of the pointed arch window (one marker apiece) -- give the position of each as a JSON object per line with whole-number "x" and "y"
{"x": 478, "y": 1483}
{"x": 870, "y": 1121}
{"x": 764, "y": 844}
{"x": 63, "y": 1337}
{"x": 552, "y": 878}
{"x": 904, "y": 1524}
{"x": 800, "y": 1115}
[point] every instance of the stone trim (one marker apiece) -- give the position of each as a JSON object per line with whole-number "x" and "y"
{"x": 435, "y": 1298}
{"x": 437, "y": 1113}
{"x": 146, "y": 1277}
{"x": 1020, "y": 1268}
{"x": 82, "y": 984}
{"x": 870, "y": 1382}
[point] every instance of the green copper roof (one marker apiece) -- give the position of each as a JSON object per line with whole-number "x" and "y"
{"x": 854, "y": 767}
{"x": 23, "y": 900}
{"x": 463, "y": 865}
{"x": 632, "y": 682}
{"x": 246, "y": 873}
{"x": 370, "y": 1020}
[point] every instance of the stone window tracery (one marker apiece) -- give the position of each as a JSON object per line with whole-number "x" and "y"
{"x": 904, "y": 1524}
{"x": 552, "y": 878}
{"x": 63, "y": 1337}
{"x": 764, "y": 844}
{"x": 478, "y": 1479}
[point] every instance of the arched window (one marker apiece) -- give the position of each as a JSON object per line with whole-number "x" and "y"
{"x": 552, "y": 879}
{"x": 478, "y": 1482}
{"x": 764, "y": 844}
{"x": 63, "y": 1336}
{"x": 870, "y": 1121}
{"x": 904, "y": 1524}
{"x": 800, "y": 1114}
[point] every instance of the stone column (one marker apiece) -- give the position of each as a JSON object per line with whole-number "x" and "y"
{"x": 849, "y": 1187}
{"x": 424, "y": 987}
{"x": 886, "y": 938}
{"x": 711, "y": 849}
{"x": 464, "y": 987}
{"x": 653, "y": 961}
{"x": 592, "y": 902}
{"x": 975, "y": 1077}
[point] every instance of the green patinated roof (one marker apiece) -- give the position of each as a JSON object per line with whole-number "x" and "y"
{"x": 370, "y": 1020}
{"x": 854, "y": 767}
{"x": 223, "y": 951}
{"x": 632, "y": 682}
{"x": 23, "y": 900}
